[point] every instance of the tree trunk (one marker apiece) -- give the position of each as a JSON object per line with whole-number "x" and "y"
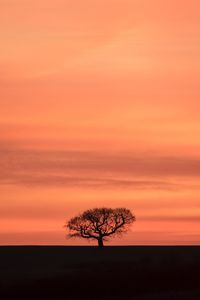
{"x": 100, "y": 242}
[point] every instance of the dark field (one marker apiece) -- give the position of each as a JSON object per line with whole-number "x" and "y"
{"x": 91, "y": 273}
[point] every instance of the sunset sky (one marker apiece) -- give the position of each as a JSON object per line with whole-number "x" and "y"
{"x": 99, "y": 106}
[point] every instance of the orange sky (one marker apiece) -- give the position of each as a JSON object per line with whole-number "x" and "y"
{"x": 99, "y": 106}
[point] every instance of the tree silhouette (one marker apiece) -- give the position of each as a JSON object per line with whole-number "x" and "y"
{"x": 100, "y": 223}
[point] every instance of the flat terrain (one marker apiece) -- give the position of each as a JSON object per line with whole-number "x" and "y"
{"x": 132, "y": 272}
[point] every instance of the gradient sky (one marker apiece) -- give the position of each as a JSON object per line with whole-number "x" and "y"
{"x": 99, "y": 106}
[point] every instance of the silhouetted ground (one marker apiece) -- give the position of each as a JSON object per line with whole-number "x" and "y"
{"x": 123, "y": 273}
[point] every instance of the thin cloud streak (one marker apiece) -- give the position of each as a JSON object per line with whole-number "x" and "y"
{"x": 93, "y": 169}
{"x": 183, "y": 218}
{"x": 76, "y": 182}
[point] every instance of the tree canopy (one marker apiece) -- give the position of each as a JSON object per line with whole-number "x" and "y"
{"x": 100, "y": 223}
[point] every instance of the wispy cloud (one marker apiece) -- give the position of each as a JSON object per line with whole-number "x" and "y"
{"x": 93, "y": 169}
{"x": 169, "y": 218}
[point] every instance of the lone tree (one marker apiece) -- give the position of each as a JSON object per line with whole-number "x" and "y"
{"x": 100, "y": 223}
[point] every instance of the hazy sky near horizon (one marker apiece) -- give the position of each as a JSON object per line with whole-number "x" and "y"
{"x": 99, "y": 106}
